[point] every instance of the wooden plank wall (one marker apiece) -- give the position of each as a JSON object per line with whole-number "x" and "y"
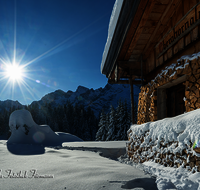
{"x": 181, "y": 30}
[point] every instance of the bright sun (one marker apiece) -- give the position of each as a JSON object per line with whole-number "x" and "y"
{"x": 14, "y": 72}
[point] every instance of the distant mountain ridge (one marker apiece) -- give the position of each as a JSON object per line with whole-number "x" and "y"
{"x": 98, "y": 99}
{"x": 10, "y": 104}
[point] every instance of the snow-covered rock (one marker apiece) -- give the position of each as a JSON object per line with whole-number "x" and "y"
{"x": 25, "y": 131}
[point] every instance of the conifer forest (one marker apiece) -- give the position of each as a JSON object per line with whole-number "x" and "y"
{"x": 76, "y": 120}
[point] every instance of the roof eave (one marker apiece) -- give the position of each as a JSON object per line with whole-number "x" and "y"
{"x": 127, "y": 13}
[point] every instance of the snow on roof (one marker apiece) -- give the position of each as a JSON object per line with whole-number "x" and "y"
{"x": 112, "y": 25}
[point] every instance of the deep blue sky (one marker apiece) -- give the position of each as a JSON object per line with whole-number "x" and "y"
{"x": 60, "y": 41}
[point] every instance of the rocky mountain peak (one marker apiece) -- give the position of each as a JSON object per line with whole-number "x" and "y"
{"x": 81, "y": 89}
{"x": 98, "y": 99}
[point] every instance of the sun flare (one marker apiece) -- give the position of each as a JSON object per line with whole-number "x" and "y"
{"x": 14, "y": 72}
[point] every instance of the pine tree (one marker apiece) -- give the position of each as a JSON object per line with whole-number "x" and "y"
{"x": 86, "y": 132}
{"x": 83, "y": 127}
{"x": 76, "y": 121}
{"x": 59, "y": 117}
{"x": 107, "y": 124}
{"x": 126, "y": 122}
{"x": 54, "y": 123}
{"x": 101, "y": 133}
{"x": 123, "y": 121}
{"x": 120, "y": 117}
{"x": 2, "y": 125}
{"x": 69, "y": 111}
{"x": 92, "y": 122}
{"x": 111, "y": 135}
{"x": 65, "y": 124}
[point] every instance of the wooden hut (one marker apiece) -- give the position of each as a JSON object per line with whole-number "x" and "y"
{"x": 148, "y": 44}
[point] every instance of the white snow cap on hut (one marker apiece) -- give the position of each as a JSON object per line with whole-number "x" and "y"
{"x": 25, "y": 131}
{"x": 112, "y": 25}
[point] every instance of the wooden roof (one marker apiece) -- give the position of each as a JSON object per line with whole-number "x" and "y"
{"x": 141, "y": 27}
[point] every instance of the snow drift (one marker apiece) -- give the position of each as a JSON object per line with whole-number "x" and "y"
{"x": 25, "y": 131}
{"x": 168, "y": 141}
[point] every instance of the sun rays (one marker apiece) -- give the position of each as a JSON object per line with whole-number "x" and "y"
{"x": 16, "y": 74}
{"x": 17, "y": 78}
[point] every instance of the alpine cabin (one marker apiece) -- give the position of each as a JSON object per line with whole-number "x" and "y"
{"x": 156, "y": 43}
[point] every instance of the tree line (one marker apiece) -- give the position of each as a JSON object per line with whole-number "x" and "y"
{"x": 76, "y": 120}
{"x": 115, "y": 124}
{"x": 67, "y": 118}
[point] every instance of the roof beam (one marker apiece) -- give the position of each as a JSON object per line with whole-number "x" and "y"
{"x": 140, "y": 27}
{"x": 127, "y": 72}
{"x": 128, "y": 65}
{"x": 124, "y": 82}
{"x": 173, "y": 4}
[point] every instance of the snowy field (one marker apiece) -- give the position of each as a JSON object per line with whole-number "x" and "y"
{"x": 73, "y": 166}
{"x": 86, "y": 165}
{"x": 27, "y": 164}
{"x": 168, "y": 178}
{"x": 35, "y": 157}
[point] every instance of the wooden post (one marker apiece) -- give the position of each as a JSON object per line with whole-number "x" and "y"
{"x": 141, "y": 71}
{"x": 132, "y": 101}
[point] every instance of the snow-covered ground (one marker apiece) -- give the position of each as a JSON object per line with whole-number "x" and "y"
{"x": 168, "y": 178}
{"x": 35, "y": 157}
{"x": 80, "y": 165}
{"x": 159, "y": 138}
{"x": 72, "y": 166}
{"x": 86, "y": 165}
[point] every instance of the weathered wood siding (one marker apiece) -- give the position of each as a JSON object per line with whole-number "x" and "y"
{"x": 186, "y": 69}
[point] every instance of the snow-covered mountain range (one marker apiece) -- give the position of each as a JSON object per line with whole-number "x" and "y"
{"x": 98, "y": 99}
{"x": 9, "y": 105}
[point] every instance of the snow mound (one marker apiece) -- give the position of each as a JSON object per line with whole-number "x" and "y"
{"x": 184, "y": 129}
{"x": 172, "y": 178}
{"x": 25, "y": 131}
